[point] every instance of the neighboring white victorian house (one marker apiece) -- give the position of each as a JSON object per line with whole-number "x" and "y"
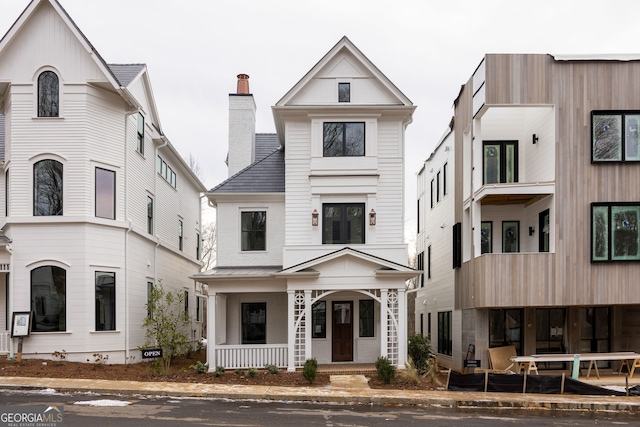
{"x": 97, "y": 204}
{"x": 311, "y": 259}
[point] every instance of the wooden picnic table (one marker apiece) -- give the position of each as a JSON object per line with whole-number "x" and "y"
{"x": 629, "y": 359}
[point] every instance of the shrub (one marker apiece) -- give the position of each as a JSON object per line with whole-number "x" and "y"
{"x": 200, "y": 367}
{"x": 252, "y": 372}
{"x": 386, "y": 371}
{"x": 239, "y": 372}
{"x": 273, "y": 369}
{"x": 60, "y": 355}
{"x": 310, "y": 370}
{"x": 219, "y": 371}
{"x": 419, "y": 350}
{"x": 410, "y": 373}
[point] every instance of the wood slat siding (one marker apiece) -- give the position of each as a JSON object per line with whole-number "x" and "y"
{"x": 566, "y": 277}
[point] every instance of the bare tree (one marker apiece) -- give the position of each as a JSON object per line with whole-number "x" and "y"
{"x": 209, "y": 241}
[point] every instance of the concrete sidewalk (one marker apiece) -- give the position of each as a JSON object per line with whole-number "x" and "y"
{"x": 340, "y": 392}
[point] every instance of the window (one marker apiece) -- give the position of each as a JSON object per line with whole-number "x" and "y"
{"x": 417, "y": 216}
{"x": 457, "y": 245}
{"x": 48, "y": 94}
{"x": 614, "y": 232}
{"x": 500, "y": 162}
{"x": 614, "y": 136}
{"x": 186, "y": 302}
{"x": 544, "y": 233}
{"x": 319, "y": 319}
{"x": 505, "y": 328}
{"x": 47, "y": 188}
{"x": 444, "y": 333}
{"x": 421, "y": 268}
{"x": 180, "y": 233}
{"x": 429, "y": 325}
{"x": 140, "y": 139}
{"x": 343, "y": 223}
{"x": 429, "y": 262}
{"x": 438, "y": 187}
{"x": 49, "y": 298}
{"x": 199, "y": 306}
{"x": 444, "y": 179}
{"x": 149, "y": 215}
{"x": 367, "y": 325}
{"x": 254, "y": 323}
{"x": 344, "y": 92}
{"x": 105, "y": 301}
{"x": 6, "y": 193}
{"x": 198, "y": 246}
{"x": 149, "y": 299}
{"x": 254, "y": 230}
{"x": 166, "y": 172}
{"x": 105, "y": 193}
{"x": 433, "y": 197}
{"x": 510, "y": 236}
{"x": 486, "y": 237}
{"x": 343, "y": 139}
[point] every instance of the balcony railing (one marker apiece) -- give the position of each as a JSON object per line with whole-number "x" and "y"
{"x": 251, "y": 356}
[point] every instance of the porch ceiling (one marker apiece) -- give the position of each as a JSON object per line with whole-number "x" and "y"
{"x": 512, "y": 199}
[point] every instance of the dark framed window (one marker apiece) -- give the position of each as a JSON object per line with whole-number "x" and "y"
{"x": 417, "y": 216}
{"x": 433, "y": 196}
{"x": 166, "y": 172}
{"x": 438, "y": 187}
{"x": 149, "y": 215}
{"x": 48, "y": 94}
{"x": 319, "y": 319}
{"x": 199, "y": 306}
{"x": 343, "y": 223}
{"x": 49, "y": 298}
{"x": 486, "y": 237}
{"x": 198, "y": 246}
{"x": 429, "y": 262}
{"x": 344, "y": 92}
{"x": 367, "y": 321}
{"x": 140, "y": 134}
{"x": 614, "y": 232}
{"x": 341, "y": 139}
{"x": 500, "y": 162}
{"x": 254, "y": 230}
{"x": 444, "y": 179}
{"x": 105, "y": 193}
{"x": 47, "y": 188}
{"x": 105, "y": 301}
{"x": 510, "y": 236}
{"x": 186, "y": 302}
{"x": 7, "y": 192}
{"x": 254, "y": 323}
{"x": 429, "y": 325}
{"x": 180, "y": 233}
{"x": 421, "y": 268}
{"x": 149, "y": 299}
{"x": 457, "y": 244}
{"x": 444, "y": 333}
{"x": 614, "y": 136}
{"x": 544, "y": 235}
{"x": 505, "y": 328}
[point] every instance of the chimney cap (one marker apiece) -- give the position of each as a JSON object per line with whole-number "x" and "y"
{"x": 243, "y": 84}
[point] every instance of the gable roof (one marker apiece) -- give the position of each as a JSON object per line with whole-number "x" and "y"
{"x": 265, "y": 175}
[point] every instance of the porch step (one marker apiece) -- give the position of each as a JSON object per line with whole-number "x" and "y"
{"x": 347, "y": 368}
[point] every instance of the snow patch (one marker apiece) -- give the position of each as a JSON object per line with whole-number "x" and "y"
{"x": 103, "y": 402}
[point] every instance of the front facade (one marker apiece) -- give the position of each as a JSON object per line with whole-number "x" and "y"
{"x": 97, "y": 204}
{"x": 544, "y": 243}
{"x": 311, "y": 259}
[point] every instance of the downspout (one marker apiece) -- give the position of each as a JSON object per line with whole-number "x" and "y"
{"x": 127, "y": 335}
{"x": 10, "y": 292}
{"x": 155, "y": 203}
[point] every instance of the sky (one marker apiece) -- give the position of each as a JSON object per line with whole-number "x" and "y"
{"x": 194, "y": 49}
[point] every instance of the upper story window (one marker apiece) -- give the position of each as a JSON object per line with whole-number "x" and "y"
{"x": 343, "y": 223}
{"x": 180, "y": 233}
{"x": 140, "y": 136}
{"x": 343, "y": 139}
{"x": 500, "y": 162}
{"x": 105, "y": 193}
{"x": 49, "y": 298}
{"x": 198, "y": 246}
{"x": 254, "y": 230}
{"x": 344, "y": 92}
{"x": 444, "y": 179}
{"x": 149, "y": 215}
{"x": 614, "y": 231}
{"x": 48, "y": 94}
{"x": 614, "y": 136}
{"x": 166, "y": 172}
{"x": 486, "y": 237}
{"x": 47, "y": 188}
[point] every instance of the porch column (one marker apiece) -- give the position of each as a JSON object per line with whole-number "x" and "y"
{"x": 211, "y": 331}
{"x": 402, "y": 327}
{"x": 291, "y": 330}
{"x": 307, "y": 324}
{"x": 384, "y": 323}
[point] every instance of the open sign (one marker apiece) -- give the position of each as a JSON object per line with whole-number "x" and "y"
{"x": 151, "y": 353}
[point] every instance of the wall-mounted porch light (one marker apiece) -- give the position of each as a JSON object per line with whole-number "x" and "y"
{"x": 535, "y": 138}
{"x": 314, "y": 218}
{"x": 531, "y": 231}
{"x": 372, "y": 217}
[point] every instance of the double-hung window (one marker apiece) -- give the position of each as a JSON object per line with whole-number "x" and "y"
{"x": 149, "y": 215}
{"x": 254, "y": 230}
{"x": 105, "y": 193}
{"x": 614, "y": 231}
{"x": 341, "y": 139}
{"x": 614, "y": 136}
{"x": 343, "y": 223}
{"x": 140, "y": 134}
{"x": 500, "y": 162}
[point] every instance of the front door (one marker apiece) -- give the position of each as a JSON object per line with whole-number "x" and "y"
{"x": 342, "y": 331}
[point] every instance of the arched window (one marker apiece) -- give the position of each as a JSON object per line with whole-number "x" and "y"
{"x": 48, "y": 298}
{"x": 48, "y": 94}
{"x": 47, "y": 188}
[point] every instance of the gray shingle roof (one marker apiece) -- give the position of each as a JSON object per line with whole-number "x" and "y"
{"x": 1, "y": 137}
{"x": 266, "y": 143}
{"x": 125, "y": 73}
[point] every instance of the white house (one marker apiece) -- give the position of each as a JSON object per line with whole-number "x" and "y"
{"x": 98, "y": 205}
{"x": 311, "y": 257}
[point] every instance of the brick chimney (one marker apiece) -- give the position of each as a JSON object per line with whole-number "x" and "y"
{"x": 242, "y": 127}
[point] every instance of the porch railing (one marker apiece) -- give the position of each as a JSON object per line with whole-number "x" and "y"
{"x": 4, "y": 342}
{"x": 251, "y": 356}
